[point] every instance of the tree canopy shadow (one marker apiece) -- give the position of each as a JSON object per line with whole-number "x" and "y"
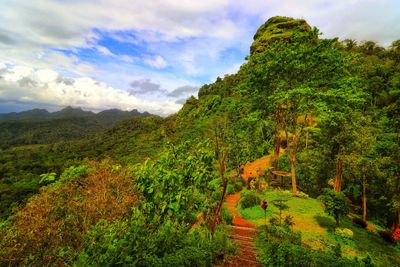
{"x": 326, "y": 222}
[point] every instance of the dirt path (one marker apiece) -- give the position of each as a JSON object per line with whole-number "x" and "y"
{"x": 243, "y": 232}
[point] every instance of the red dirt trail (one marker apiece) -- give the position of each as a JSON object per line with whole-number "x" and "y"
{"x": 243, "y": 232}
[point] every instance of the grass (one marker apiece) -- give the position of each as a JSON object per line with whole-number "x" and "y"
{"x": 318, "y": 229}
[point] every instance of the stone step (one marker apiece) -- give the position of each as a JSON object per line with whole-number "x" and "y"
{"x": 243, "y": 229}
{"x": 247, "y": 249}
{"x": 241, "y": 237}
{"x": 240, "y": 262}
{"x": 251, "y": 256}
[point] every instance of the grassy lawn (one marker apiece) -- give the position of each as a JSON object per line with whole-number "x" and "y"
{"x": 318, "y": 229}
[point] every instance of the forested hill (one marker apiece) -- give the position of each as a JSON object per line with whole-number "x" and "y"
{"x": 332, "y": 105}
{"x": 336, "y": 104}
{"x": 38, "y": 126}
{"x": 105, "y": 117}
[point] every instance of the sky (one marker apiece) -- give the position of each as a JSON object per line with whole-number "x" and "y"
{"x": 151, "y": 55}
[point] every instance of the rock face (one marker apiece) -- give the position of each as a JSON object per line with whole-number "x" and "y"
{"x": 277, "y": 28}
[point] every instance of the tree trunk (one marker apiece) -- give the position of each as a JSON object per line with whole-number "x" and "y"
{"x": 307, "y": 139}
{"x": 364, "y": 217}
{"x": 277, "y": 146}
{"x": 221, "y": 202}
{"x": 293, "y": 175}
{"x": 338, "y": 178}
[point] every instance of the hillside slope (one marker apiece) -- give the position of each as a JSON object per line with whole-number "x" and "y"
{"x": 318, "y": 229}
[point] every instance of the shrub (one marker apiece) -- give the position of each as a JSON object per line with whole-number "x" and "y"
{"x": 289, "y": 222}
{"x": 249, "y": 198}
{"x": 60, "y": 217}
{"x": 215, "y": 184}
{"x": 302, "y": 195}
{"x": 387, "y": 236}
{"x": 344, "y": 233}
{"x": 367, "y": 261}
{"x": 336, "y": 204}
{"x": 250, "y": 182}
{"x": 226, "y": 216}
{"x": 239, "y": 185}
{"x": 274, "y": 221}
{"x": 360, "y": 222}
{"x": 145, "y": 242}
{"x": 396, "y": 234}
{"x": 75, "y": 172}
{"x": 281, "y": 246}
{"x": 47, "y": 178}
{"x": 283, "y": 234}
{"x": 190, "y": 218}
{"x": 230, "y": 189}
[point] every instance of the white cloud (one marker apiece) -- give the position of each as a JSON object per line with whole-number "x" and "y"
{"x": 156, "y": 62}
{"x": 46, "y": 75}
{"x": 193, "y": 38}
{"x": 356, "y": 19}
{"x": 104, "y": 50}
{"x": 46, "y": 87}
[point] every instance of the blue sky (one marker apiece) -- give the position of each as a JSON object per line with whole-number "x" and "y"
{"x": 151, "y": 55}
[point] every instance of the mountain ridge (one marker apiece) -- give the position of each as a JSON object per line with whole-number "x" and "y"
{"x": 108, "y": 115}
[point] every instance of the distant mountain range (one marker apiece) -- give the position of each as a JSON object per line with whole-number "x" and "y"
{"x": 38, "y": 126}
{"x": 106, "y": 117}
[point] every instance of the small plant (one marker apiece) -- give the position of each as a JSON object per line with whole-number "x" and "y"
{"x": 250, "y": 183}
{"x": 274, "y": 221}
{"x": 337, "y": 250}
{"x": 226, "y": 216}
{"x": 239, "y": 184}
{"x": 47, "y": 178}
{"x": 280, "y": 204}
{"x": 360, "y": 222}
{"x": 302, "y": 195}
{"x": 288, "y": 221}
{"x": 344, "y": 233}
{"x": 249, "y": 198}
{"x": 230, "y": 189}
{"x": 74, "y": 172}
{"x": 367, "y": 260}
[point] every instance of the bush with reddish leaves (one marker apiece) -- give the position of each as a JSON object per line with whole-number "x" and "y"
{"x": 387, "y": 236}
{"x": 360, "y": 222}
{"x": 396, "y": 235}
{"x": 51, "y": 228}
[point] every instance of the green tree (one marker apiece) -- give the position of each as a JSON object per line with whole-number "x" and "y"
{"x": 291, "y": 77}
{"x": 336, "y": 204}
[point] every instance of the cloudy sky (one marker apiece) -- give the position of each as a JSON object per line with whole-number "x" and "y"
{"x": 151, "y": 55}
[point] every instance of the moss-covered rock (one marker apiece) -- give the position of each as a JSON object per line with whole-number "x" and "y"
{"x": 277, "y": 28}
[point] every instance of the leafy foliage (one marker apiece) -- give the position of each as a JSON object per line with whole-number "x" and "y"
{"x": 140, "y": 242}
{"x": 177, "y": 184}
{"x": 280, "y": 246}
{"x": 248, "y": 199}
{"x": 51, "y": 228}
{"x": 336, "y": 204}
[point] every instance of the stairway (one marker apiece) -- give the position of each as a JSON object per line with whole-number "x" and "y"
{"x": 242, "y": 233}
{"x": 244, "y": 238}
